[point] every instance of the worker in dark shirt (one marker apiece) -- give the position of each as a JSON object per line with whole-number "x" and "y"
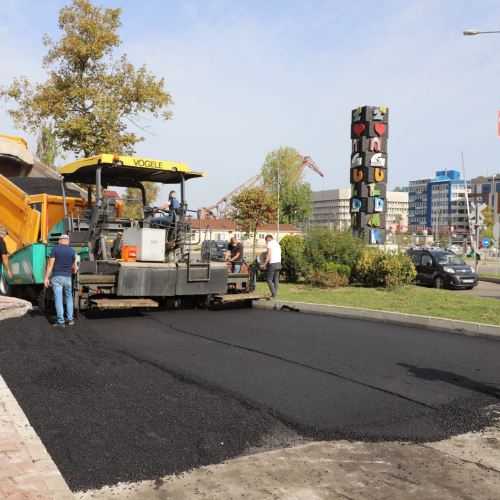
{"x": 235, "y": 254}
{"x": 60, "y": 269}
{"x": 3, "y": 252}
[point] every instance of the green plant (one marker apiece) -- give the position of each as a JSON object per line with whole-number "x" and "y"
{"x": 326, "y": 279}
{"x": 293, "y": 261}
{"x": 381, "y": 269}
{"x": 323, "y": 245}
{"x": 341, "y": 269}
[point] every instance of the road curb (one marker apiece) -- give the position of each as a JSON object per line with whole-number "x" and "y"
{"x": 412, "y": 320}
{"x": 10, "y": 307}
{"x": 27, "y": 466}
{"x": 490, "y": 280}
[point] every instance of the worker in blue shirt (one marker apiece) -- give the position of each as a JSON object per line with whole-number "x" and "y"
{"x": 60, "y": 269}
{"x": 172, "y": 206}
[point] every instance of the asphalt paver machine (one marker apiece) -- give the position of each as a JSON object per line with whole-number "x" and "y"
{"x": 123, "y": 262}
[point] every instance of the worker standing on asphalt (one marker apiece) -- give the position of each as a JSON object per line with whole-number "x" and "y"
{"x": 3, "y": 252}
{"x": 273, "y": 263}
{"x": 60, "y": 269}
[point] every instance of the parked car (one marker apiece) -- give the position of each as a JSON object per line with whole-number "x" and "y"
{"x": 218, "y": 248}
{"x": 442, "y": 268}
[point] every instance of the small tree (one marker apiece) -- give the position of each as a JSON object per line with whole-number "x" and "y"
{"x": 47, "y": 148}
{"x": 282, "y": 170}
{"x": 489, "y": 223}
{"x": 253, "y": 208}
{"x": 132, "y": 206}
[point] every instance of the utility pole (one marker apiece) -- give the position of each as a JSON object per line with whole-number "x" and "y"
{"x": 476, "y": 253}
{"x": 278, "y": 221}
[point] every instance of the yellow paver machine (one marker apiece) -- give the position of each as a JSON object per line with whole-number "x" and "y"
{"x": 123, "y": 263}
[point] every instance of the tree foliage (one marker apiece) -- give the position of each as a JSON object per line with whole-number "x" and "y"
{"x": 89, "y": 96}
{"x": 283, "y": 168}
{"x": 254, "y": 207}
{"x": 47, "y": 148}
{"x": 489, "y": 222}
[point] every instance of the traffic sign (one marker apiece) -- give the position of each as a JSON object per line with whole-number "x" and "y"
{"x": 477, "y": 216}
{"x": 486, "y": 242}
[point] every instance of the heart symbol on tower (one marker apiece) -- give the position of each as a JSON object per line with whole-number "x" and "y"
{"x": 358, "y": 128}
{"x": 379, "y": 128}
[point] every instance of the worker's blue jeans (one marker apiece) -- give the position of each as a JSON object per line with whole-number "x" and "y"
{"x": 62, "y": 287}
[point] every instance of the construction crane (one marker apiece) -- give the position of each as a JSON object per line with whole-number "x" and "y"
{"x": 221, "y": 209}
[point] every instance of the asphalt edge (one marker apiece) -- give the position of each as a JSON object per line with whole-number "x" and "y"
{"x": 44, "y": 466}
{"x": 491, "y": 332}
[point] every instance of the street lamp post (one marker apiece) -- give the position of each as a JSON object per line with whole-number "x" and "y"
{"x": 476, "y": 32}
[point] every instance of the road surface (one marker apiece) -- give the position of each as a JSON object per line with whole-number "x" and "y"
{"x": 136, "y": 397}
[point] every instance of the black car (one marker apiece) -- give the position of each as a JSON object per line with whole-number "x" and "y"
{"x": 217, "y": 247}
{"x": 442, "y": 268}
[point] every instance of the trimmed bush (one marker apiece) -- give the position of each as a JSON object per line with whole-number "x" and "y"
{"x": 323, "y": 246}
{"x": 341, "y": 269}
{"x": 326, "y": 279}
{"x": 388, "y": 270}
{"x": 293, "y": 261}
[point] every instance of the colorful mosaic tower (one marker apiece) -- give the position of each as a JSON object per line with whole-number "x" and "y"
{"x": 369, "y": 132}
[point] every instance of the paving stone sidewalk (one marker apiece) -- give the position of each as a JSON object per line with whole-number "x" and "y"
{"x": 26, "y": 469}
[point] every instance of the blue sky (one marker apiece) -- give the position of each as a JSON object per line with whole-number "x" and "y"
{"x": 247, "y": 77}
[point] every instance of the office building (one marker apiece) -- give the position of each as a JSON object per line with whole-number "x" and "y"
{"x": 438, "y": 204}
{"x": 487, "y": 190}
{"x": 331, "y": 208}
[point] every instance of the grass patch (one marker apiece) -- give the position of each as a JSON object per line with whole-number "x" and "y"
{"x": 448, "y": 304}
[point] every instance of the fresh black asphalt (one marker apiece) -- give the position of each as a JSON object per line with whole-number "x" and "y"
{"x": 124, "y": 398}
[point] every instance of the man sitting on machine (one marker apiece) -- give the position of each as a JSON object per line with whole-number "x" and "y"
{"x": 171, "y": 208}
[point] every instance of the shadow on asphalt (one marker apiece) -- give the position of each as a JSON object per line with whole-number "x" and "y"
{"x": 452, "y": 378}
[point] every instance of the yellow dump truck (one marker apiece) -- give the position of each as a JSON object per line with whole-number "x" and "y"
{"x": 33, "y": 216}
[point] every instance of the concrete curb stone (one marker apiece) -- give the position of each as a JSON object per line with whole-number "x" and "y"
{"x": 26, "y": 465}
{"x": 394, "y": 318}
{"x": 490, "y": 280}
{"x": 26, "y": 468}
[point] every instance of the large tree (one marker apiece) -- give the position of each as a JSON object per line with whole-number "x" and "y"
{"x": 90, "y": 97}
{"x": 253, "y": 208}
{"x": 282, "y": 170}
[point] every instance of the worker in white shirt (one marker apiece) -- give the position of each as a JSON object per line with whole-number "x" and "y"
{"x": 273, "y": 264}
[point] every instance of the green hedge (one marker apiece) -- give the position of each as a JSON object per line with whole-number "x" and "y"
{"x": 381, "y": 269}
